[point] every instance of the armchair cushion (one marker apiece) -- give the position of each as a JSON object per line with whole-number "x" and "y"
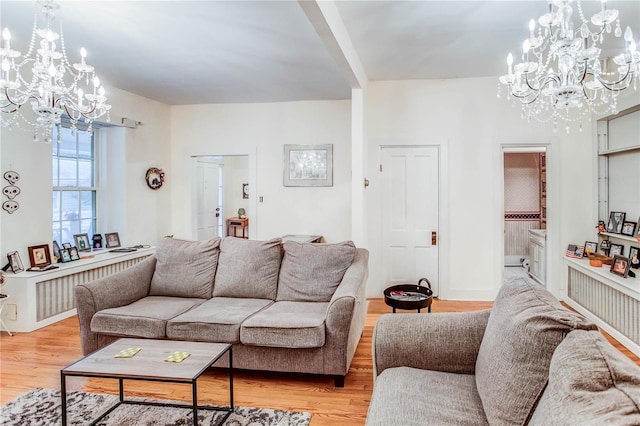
{"x": 414, "y": 397}
{"x": 312, "y": 272}
{"x": 185, "y": 268}
{"x": 248, "y": 268}
{"x": 525, "y": 326}
{"x": 590, "y": 382}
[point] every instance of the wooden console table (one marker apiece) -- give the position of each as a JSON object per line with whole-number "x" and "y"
{"x": 235, "y": 223}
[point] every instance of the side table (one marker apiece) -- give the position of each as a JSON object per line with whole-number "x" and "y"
{"x": 409, "y": 296}
{"x": 235, "y": 223}
{"x": 3, "y": 301}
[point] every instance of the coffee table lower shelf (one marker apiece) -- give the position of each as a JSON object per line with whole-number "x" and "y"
{"x": 76, "y": 370}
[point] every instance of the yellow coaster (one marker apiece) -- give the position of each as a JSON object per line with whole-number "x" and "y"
{"x": 127, "y": 353}
{"x": 177, "y": 356}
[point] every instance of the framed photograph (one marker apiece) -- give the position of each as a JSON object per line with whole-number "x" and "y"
{"x": 66, "y": 245}
{"x": 113, "y": 240}
{"x": 56, "y": 250}
{"x": 620, "y": 266}
{"x": 245, "y": 190}
{"x": 628, "y": 228}
{"x": 15, "y": 262}
{"x": 64, "y": 255}
{"x": 638, "y": 230}
{"x": 73, "y": 253}
{"x": 616, "y": 219}
{"x": 82, "y": 242}
{"x": 575, "y": 251}
{"x": 616, "y": 250}
{"x": 634, "y": 257}
{"x": 39, "y": 255}
{"x": 308, "y": 165}
{"x": 590, "y": 247}
{"x": 97, "y": 241}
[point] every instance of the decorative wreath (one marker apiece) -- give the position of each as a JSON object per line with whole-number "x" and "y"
{"x": 154, "y": 177}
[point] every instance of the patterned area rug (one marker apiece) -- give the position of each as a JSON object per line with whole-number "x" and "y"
{"x": 41, "y": 407}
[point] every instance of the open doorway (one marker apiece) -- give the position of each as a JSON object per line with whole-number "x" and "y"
{"x": 525, "y": 212}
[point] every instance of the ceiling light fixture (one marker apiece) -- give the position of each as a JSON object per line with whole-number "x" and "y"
{"x": 45, "y": 78}
{"x": 561, "y": 75}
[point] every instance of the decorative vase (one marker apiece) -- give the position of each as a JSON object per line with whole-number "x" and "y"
{"x": 242, "y": 213}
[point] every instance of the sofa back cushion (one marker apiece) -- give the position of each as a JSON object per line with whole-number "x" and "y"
{"x": 248, "y": 268}
{"x": 525, "y": 326}
{"x": 590, "y": 383}
{"x": 185, "y": 268}
{"x": 312, "y": 272}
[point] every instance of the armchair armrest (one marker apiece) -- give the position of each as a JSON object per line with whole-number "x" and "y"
{"x": 113, "y": 291}
{"x": 447, "y": 342}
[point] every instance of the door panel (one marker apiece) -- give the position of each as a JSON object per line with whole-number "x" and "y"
{"x": 410, "y": 196}
{"x": 209, "y": 202}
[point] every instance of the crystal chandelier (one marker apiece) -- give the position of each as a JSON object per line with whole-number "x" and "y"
{"x": 45, "y": 78}
{"x": 561, "y": 75}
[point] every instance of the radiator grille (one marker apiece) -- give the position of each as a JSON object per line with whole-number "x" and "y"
{"x": 613, "y": 307}
{"x": 516, "y": 236}
{"x": 57, "y": 296}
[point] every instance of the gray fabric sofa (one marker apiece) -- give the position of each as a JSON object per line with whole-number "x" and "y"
{"x": 287, "y": 307}
{"x": 528, "y": 360}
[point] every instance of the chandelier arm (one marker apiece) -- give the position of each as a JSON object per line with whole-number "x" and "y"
{"x": 609, "y": 85}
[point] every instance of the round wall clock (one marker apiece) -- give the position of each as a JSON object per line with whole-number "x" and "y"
{"x": 154, "y": 177}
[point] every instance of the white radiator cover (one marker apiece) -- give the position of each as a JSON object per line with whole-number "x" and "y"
{"x": 57, "y": 296}
{"x": 619, "y": 310}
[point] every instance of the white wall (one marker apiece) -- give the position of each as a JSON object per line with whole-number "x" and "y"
{"x": 466, "y": 119}
{"x": 261, "y": 131}
{"x": 128, "y": 206}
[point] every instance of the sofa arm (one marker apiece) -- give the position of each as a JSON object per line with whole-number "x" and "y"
{"x": 447, "y": 342}
{"x": 113, "y": 291}
{"x": 346, "y": 314}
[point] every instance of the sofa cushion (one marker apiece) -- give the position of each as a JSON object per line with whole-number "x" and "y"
{"x": 146, "y": 317}
{"x": 413, "y": 397}
{"x": 216, "y": 320}
{"x": 590, "y": 383}
{"x": 248, "y": 268}
{"x": 525, "y": 326}
{"x": 312, "y": 272}
{"x": 286, "y": 325}
{"x": 185, "y": 268}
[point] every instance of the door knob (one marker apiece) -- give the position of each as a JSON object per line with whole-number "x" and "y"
{"x": 434, "y": 238}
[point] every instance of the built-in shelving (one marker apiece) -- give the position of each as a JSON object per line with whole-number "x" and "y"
{"x": 619, "y": 150}
{"x": 619, "y": 236}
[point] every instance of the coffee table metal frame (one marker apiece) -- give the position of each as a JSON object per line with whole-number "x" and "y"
{"x": 64, "y": 373}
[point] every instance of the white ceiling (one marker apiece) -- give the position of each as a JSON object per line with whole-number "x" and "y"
{"x": 195, "y": 52}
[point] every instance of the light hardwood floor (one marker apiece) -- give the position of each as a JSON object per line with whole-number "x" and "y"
{"x": 29, "y": 360}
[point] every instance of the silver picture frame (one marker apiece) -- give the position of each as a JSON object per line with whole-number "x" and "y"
{"x": 308, "y": 165}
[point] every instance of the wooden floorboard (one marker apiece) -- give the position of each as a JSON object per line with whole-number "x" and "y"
{"x": 29, "y": 360}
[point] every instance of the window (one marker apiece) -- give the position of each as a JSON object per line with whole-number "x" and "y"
{"x": 74, "y": 186}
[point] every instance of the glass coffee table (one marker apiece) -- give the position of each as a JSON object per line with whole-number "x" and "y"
{"x": 149, "y": 364}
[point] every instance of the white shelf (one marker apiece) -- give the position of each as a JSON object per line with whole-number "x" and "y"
{"x": 619, "y": 150}
{"x": 620, "y": 237}
{"x": 629, "y": 286}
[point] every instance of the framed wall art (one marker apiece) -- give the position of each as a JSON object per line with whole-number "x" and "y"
{"x": 628, "y": 228}
{"x": 308, "y": 165}
{"x": 82, "y": 242}
{"x": 113, "y": 240}
{"x": 15, "y": 262}
{"x": 616, "y": 219}
{"x": 620, "y": 266}
{"x": 39, "y": 256}
{"x": 616, "y": 250}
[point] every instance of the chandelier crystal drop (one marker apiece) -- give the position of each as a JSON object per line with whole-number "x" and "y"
{"x": 561, "y": 76}
{"x": 46, "y": 79}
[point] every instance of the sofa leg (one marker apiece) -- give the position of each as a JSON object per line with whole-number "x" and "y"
{"x": 338, "y": 381}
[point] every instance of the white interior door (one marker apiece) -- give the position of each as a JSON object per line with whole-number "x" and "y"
{"x": 209, "y": 200}
{"x": 410, "y": 196}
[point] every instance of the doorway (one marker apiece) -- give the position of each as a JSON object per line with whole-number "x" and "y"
{"x": 525, "y": 208}
{"x": 220, "y": 191}
{"x": 410, "y": 186}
